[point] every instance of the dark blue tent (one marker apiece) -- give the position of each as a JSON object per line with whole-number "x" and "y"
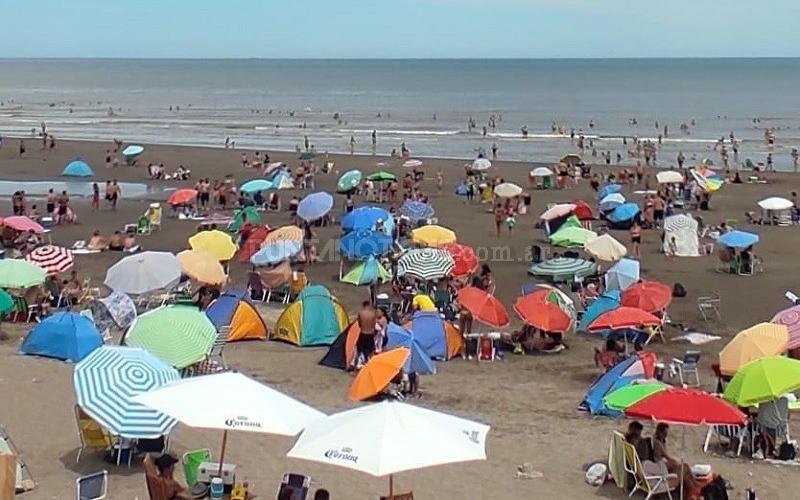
{"x": 64, "y": 335}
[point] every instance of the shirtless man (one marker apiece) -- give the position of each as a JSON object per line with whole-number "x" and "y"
{"x": 366, "y": 340}
{"x": 113, "y": 193}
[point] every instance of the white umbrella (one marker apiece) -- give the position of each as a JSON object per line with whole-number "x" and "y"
{"x": 481, "y": 164}
{"x": 391, "y": 437}
{"x": 541, "y": 172}
{"x": 144, "y": 272}
{"x": 507, "y": 190}
{"x": 775, "y": 203}
{"x": 412, "y": 163}
{"x": 669, "y": 177}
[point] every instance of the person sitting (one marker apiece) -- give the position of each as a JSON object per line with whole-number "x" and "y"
{"x": 116, "y": 242}
{"x": 258, "y": 199}
{"x": 274, "y": 202}
{"x": 160, "y": 476}
{"x": 129, "y": 243}
{"x": 643, "y": 446}
{"x": 610, "y": 356}
{"x": 97, "y": 242}
{"x": 660, "y": 454}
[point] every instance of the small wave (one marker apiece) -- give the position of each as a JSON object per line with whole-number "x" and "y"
{"x": 400, "y": 132}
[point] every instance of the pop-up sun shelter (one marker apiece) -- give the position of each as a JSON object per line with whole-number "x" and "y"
{"x": 233, "y": 309}
{"x": 64, "y": 335}
{"x": 680, "y": 236}
{"x": 635, "y": 367}
{"x": 315, "y": 318}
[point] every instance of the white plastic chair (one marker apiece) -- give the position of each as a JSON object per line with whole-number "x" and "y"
{"x": 92, "y": 487}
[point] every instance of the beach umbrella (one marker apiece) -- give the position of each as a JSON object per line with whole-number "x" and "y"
{"x": 366, "y": 217}
{"x": 582, "y": 210}
{"x": 481, "y": 164}
{"x": 556, "y": 211}
{"x": 611, "y": 201}
{"x": 416, "y": 210}
{"x": 52, "y": 259}
{"x": 562, "y": 269}
{"x": 628, "y": 395}
{"x": 483, "y": 306}
{"x": 426, "y": 264}
{"x": 242, "y": 216}
{"x": 571, "y": 159}
{"x": 256, "y": 185}
{"x": 177, "y": 334}
{"x": 131, "y": 153}
{"x": 791, "y": 318}
{"x": 419, "y": 360}
{"x": 284, "y": 233}
{"x": 107, "y": 380}
{"x": 6, "y": 302}
{"x": 542, "y": 314}
{"x": 669, "y": 177}
{"x": 77, "y": 168}
{"x": 624, "y": 317}
{"x": 315, "y": 206}
{"x": 276, "y": 252}
{"x": 377, "y": 373}
{"x": 759, "y": 341}
{"x": 382, "y": 176}
{"x": 363, "y": 243}
{"x": 144, "y": 272}
{"x": 607, "y": 190}
{"x": 366, "y": 273}
{"x": 776, "y": 203}
{"x": 274, "y": 166}
{"x": 571, "y": 237}
{"x": 507, "y": 190}
{"x": 253, "y": 243}
{"x": 466, "y": 262}
{"x": 622, "y": 274}
{"x": 412, "y": 163}
{"x": 605, "y": 247}
{"x": 609, "y": 301}
{"x": 541, "y": 172}
{"x": 551, "y": 294}
{"x": 763, "y": 380}
{"x": 282, "y": 180}
{"x": 349, "y": 181}
{"x": 17, "y": 273}
{"x": 23, "y": 223}
{"x": 624, "y": 212}
{"x": 649, "y": 296}
{"x": 686, "y": 406}
{"x": 433, "y": 236}
{"x": 202, "y": 266}
{"x": 217, "y": 243}
{"x": 738, "y": 239}
{"x": 182, "y": 197}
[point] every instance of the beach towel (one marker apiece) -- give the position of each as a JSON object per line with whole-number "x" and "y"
{"x": 696, "y": 338}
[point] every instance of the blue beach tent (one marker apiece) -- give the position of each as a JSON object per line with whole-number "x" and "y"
{"x": 64, "y": 335}
{"x": 635, "y": 367}
{"x": 78, "y": 168}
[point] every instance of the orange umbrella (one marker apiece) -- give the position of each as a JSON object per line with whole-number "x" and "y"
{"x": 650, "y": 296}
{"x": 464, "y": 257}
{"x": 377, "y": 373}
{"x": 484, "y": 307}
{"x": 182, "y": 197}
{"x": 537, "y": 311}
{"x": 285, "y": 233}
{"x": 624, "y": 317}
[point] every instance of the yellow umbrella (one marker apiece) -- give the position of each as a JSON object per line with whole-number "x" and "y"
{"x": 215, "y": 242}
{"x": 285, "y": 233}
{"x": 606, "y": 248}
{"x": 202, "y": 266}
{"x": 433, "y": 236}
{"x": 759, "y": 341}
{"x": 423, "y": 303}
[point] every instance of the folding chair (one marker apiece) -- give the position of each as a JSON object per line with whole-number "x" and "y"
{"x": 191, "y": 461}
{"x": 655, "y": 480}
{"x": 215, "y": 355}
{"x": 296, "y": 484}
{"x": 687, "y": 367}
{"x": 24, "y": 480}
{"x": 154, "y": 215}
{"x": 730, "y": 432}
{"x": 92, "y": 436}
{"x": 92, "y": 487}
{"x": 708, "y": 306}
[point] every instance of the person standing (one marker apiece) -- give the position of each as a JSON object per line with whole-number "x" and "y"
{"x": 63, "y": 208}
{"x": 352, "y": 144}
{"x": 636, "y": 239}
{"x": 374, "y": 140}
{"x": 95, "y": 196}
{"x": 795, "y": 156}
{"x": 114, "y": 192}
{"x": 367, "y": 320}
{"x": 499, "y": 217}
{"x": 51, "y": 202}
{"x": 21, "y": 148}
{"x": 439, "y": 181}
{"x": 494, "y": 151}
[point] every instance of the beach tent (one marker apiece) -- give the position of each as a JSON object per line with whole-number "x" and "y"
{"x": 116, "y": 310}
{"x": 77, "y": 168}
{"x": 683, "y": 228}
{"x": 439, "y": 337}
{"x": 282, "y": 180}
{"x": 639, "y": 366}
{"x": 342, "y": 352}
{"x": 609, "y": 301}
{"x": 64, "y": 335}
{"x": 622, "y": 274}
{"x": 233, "y": 309}
{"x": 315, "y": 318}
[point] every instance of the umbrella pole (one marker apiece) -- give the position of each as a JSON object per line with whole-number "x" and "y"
{"x": 222, "y": 450}
{"x": 391, "y": 487}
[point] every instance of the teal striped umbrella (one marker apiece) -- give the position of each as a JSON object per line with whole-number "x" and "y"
{"x": 178, "y": 335}
{"x": 349, "y": 181}
{"x": 106, "y": 381}
{"x": 563, "y": 269}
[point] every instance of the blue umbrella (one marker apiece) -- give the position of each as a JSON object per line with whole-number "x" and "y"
{"x": 276, "y": 252}
{"x": 462, "y": 190}
{"x": 365, "y": 217}
{"x": 608, "y": 189}
{"x": 256, "y": 185}
{"x": 315, "y": 206}
{"x": 622, "y": 274}
{"x": 611, "y": 201}
{"x": 624, "y": 212}
{"x": 738, "y": 239}
{"x": 609, "y": 301}
{"x": 363, "y": 243}
{"x": 419, "y": 361}
{"x": 77, "y": 168}
{"x": 416, "y": 210}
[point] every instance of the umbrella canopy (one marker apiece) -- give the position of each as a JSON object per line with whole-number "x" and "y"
{"x": 425, "y": 264}
{"x": 377, "y": 373}
{"x": 416, "y": 210}
{"x": 412, "y": 163}
{"x": 244, "y": 216}
{"x": 649, "y": 296}
{"x": 775, "y": 203}
{"x": 624, "y": 212}
{"x": 611, "y": 201}
{"x": 144, "y": 272}
{"x": 182, "y": 197}
{"x": 77, "y": 168}
{"x": 556, "y": 211}
{"x": 571, "y": 237}
{"x": 542, "y": 314}
{"x": 23, "y": 223}
{"x": 605, "y": 247}
{"x": 571, "y": 159}
{"x": 484, "y": 307}
{"x": 6, "y": 302}
{"x": 622, "y": 274}
{"x": 433, "y": 236}
{"x": 419, "y": 360}
{"x": 563, "y": 269}
{"x": 481, "y": 164}
{"x": 52, "y": 259}
{"x": 628, "y": 395}
{"x": 284, "y": 233}
{"x": 366, "y": 217}
{"x": 609, "y": 301}
{"x": 624, "y": 317}
{"x": 282, "y": 180}
{"x": 363, "y": 243}
{"x": 583, "y": 211}
{"x": 17, "y": 273}
{"x": 108, "y": 379}
{"x": 763, "y": 380}
{"x": 349, "y": 181}
{"x": 256, "y": 185}
{"x": 178, "y": 335}
{"x": 217, "y": 243}
{"x": 403, "y": 437}
{"x": 687, "y": 407}
{"x": 466, "y": 262}
{"x": 541, "y": 172}
{"x": 366, "y": 273}
{"x": 202, "y": 266}
{"x": 759, "y": 341}
{"x": 382, "y": 176}
{"x": 791, "y": 318}
{"x": 669, "y": 177}
{"x": 240, "y": 403}
{"x": 738, "y": 239}
{"x": 507, "y": 190}
{"x": 133, "y": 150}
{"x": 607, "y": 190}
{"x": 276, "y": 252}
{"x": 315, "y": 206}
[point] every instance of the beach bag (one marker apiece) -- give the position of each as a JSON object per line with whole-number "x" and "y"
{"x": 678, "y": 290}
{"x": 716, "y": 490}
{"x": 596, "y": 474}
{"x": 786, "y": 451}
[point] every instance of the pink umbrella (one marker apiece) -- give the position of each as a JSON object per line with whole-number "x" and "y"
{"x": 791, "y": 318}
{"x": 22, "y": 223}
{"x": 557, "y": 211}
{"x": 273, "y": 167}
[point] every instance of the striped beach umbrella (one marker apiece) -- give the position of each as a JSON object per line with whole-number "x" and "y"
{"x": 416, "y": 210}
{"x": 178, "y": 335}
{"x": 426, "y": 263}
{"x": 563, "y": 269}
{"x": 106, "y": 381}
{"x": 52, "y": 259}
{"x": 349, "y": 181}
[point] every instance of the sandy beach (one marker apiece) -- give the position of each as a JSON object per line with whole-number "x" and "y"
{"x": 529, "y": 401}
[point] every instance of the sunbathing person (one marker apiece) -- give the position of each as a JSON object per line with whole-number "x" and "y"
{"x": 129, "y": 244}
{"x": 97, "y": 241}
{"x": 116, "y": 242}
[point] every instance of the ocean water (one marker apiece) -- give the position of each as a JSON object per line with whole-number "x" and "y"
{"x": 275, "y": 104}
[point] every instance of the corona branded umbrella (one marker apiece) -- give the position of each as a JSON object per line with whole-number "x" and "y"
{"x": 377, "y": 373}
{"x": 182, "y": 197}
{"x": 54, "y": 260}
{"x": 433, "y": 236}
{"x": 484, "y": 307}
{"x": 759, "y": 341}
{"x": 763, "y": 380}
{"x": 649, "y": 296}
{"x": 202, "y": 266}
{"x": 215, "y": 242}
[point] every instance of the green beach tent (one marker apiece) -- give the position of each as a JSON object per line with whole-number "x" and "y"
{"x": 178, "y": 335}
{"x": 763, "y": 380}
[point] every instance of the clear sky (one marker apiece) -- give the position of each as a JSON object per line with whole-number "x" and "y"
{"x": 399, "y": 28}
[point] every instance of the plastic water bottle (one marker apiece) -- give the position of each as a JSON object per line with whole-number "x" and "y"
{"x": 217, "y": 489}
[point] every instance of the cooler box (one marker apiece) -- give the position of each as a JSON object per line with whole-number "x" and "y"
{"x": 208, "y": 470}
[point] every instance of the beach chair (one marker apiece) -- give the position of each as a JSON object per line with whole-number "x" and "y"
{"x": 154, "y": 214}
{"x": 687, "y": 367}
{"x": 616, "y": 460}
{"x": 24, "y": 480}
{"x": 296, "y": 484}
{"x": 486, "y": 349}
{"x": 255, "y": 288}
{"x": 652, "y": 480}
{"x": 215, "y": 355}
{"x": 708, "y": 305}
{"x": 191, "y": 461}
{"x": 142, "y": 225}
{"x": 732, "y": 433}
{"x": 92, "y": 487}
{"x": 91, "y": 434}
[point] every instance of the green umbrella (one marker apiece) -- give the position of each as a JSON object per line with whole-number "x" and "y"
{"x": 763, "y": 380}
{"x": 17, "y": 273}
{"x": 242, "y": 215}
{"x": 367, "y": 272}
{"x": 178, "y": 335}
{"x": 563, "y": 269}
{"x": 349, "y": 181}
{"x": 382, "y": 176}
{"x": 631, "y": 394}
{"x": 571, "y": 237}
{"x": 6, "y": 302}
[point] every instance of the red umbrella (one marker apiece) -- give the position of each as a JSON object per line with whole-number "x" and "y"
{"x": 182, "y": 197}
{"x": 583, "y": 211}
{"x": 253, "y": 243}
{"x": 464, "y": 257}
{"x": 539, "y": 312}
{"x": 23, "y": 223}
{"x": 687, "y": 407}
{"x": 624, "y": 317}
{"x": 650, "y": 296}
{"x": 484, "y": 307}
